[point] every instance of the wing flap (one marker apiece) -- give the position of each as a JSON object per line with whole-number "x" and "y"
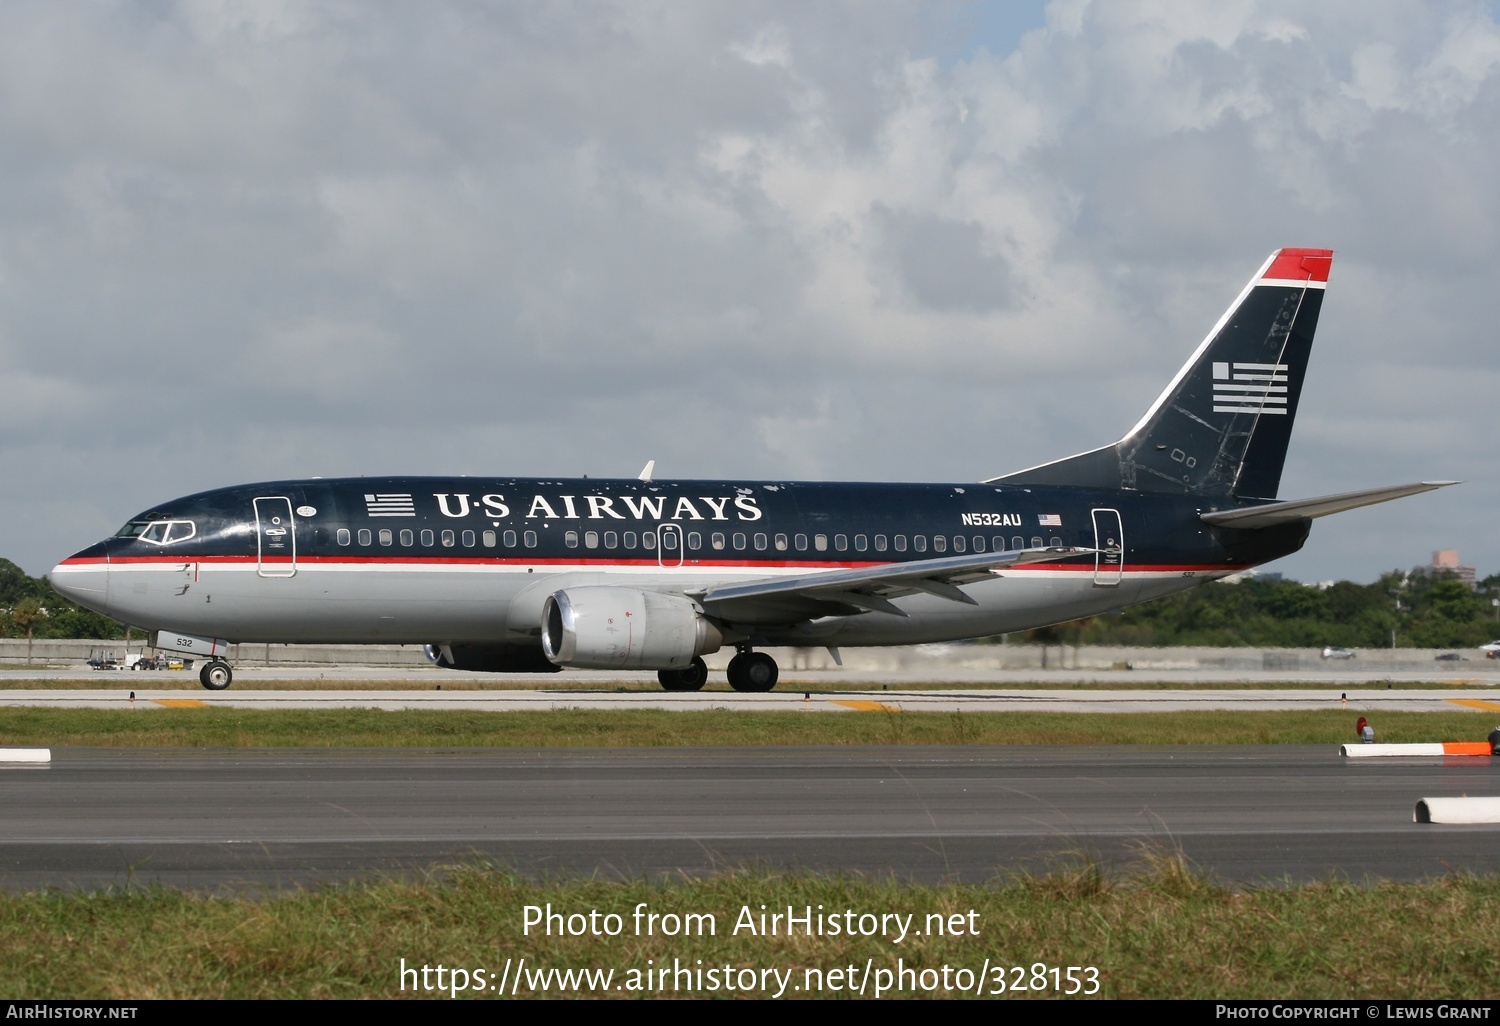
{"x": 868, "y": 589}
{"x": 1274, "y": 513}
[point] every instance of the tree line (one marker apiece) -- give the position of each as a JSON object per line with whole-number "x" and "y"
{"x": 1403, "y": 610}
{"x": 1400, "y": 610}
{"x": 29, "y": 608}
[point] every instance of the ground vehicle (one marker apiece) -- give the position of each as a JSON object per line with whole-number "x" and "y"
{"x": 1337, "y": 652}
{"x": 1492, "y": 650}
{"x": 101, "y": 659}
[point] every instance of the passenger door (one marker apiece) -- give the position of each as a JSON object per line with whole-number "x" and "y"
{"x": 1109, "y": 539}
{"x": 275, "y": 537}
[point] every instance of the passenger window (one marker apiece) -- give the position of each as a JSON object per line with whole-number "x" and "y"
{"x": 571, "y": 539}
{"x": 841, "y": 542}
{"x": 629, "y": 539}
{"x": 529, "y": 538}
{"x": 669, "y": 541}
{"x": 364, "y": 536}
{"x": 999, "y": 541}
{"x": 939, "y": 543}
{"x": 820, "y": 542}
{"x": 760, "y": 543}
{"x": 448, "y": 539}
{"x": 717, "y": 540}
{"x": 959, "y": 543}
{"x": 343, "y": 536}
{"x": 611, "y": 540}
{"x": 900, "y": 543}
{"x": 591, "y": 539}
{"x": 919, "y": 542}
{"x": 1036, "y": 543}
{"x": 781, "y": 543}
{"x": 489, "y": 539}
{"x": 648, "y": 541}
{"x": 800, "y": 542}
{"x": 859, "y": 543}
{"x": 979, "y": 543}
{"x": 879, "y": 543}
{"x": 509, "y": 538}
{"x": 1018, "y": 543}
{"x": 386, "y": 537}
{"x": 1055, "y": 541}
{"x": 739, "y": 542}
{"x": 694, "y": 540}
{"x": 407, "y": 537}
{"x": 468, "y": 539}
{"x": 426, "y": 538}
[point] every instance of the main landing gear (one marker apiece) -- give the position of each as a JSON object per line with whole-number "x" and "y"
{"x": 215, "y": 675}
{"x": 691, "y": 678}
{"x": 752, "y": 671}
{"x": 748, "y": 671}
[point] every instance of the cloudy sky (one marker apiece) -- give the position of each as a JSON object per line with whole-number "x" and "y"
{"x": 888, "y": 241}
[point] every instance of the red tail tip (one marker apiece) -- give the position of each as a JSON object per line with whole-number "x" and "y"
{"x": 1301, "y": 265}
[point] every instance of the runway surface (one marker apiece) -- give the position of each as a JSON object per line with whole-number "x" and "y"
{"x": 1480, "y": 674}
{"x": 274, "y": 818}
{"x": 1353, "y": 699}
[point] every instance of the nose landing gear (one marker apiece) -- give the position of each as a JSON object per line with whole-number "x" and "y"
{"x": 215, "y": 675}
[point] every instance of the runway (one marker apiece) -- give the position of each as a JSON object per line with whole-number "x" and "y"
{"x": 265, "y": 819}
{"x": 971, "y": 700}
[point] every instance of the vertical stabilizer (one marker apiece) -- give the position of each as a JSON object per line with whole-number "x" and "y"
{"x": 1223, "y": 424}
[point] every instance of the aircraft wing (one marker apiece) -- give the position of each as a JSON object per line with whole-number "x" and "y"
{"x": 865, "y": 589}
{"x": 1275, "y": 513}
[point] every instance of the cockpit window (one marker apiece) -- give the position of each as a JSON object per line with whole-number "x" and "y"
{"x": 159, "y": 532}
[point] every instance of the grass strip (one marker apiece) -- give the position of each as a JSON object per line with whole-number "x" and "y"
{"x": 1164, "y": 932}
{"x": 156, "y": 727}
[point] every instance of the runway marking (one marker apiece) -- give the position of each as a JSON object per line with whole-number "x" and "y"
{"x": 181, "y": 703}
{"x": 865, "y": 706}
{"x": 1477, "y": 703}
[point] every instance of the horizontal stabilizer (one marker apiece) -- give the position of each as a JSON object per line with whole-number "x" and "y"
{"x": 868, "y": 588}
{"x": 1275, "y": 513}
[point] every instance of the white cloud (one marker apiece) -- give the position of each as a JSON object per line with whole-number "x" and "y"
{"x": 756, "y": 238}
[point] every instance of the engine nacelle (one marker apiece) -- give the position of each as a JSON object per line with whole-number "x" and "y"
{"x": 605, "y": 628}
{"x": 482, "y": 657}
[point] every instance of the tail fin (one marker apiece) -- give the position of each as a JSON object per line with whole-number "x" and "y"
{"x": 1222, "y": 426}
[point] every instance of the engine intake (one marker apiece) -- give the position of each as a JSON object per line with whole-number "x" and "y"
{"x": 605, "y": 628}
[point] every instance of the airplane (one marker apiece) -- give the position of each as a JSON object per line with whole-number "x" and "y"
{"x": 514, "y": 575}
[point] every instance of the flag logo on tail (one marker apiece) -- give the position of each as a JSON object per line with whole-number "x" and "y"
{"x": 1250, "y": 388}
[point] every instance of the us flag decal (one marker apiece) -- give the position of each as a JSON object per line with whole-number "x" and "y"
{"x": 388, "y": 504}
{"x": 1250, "y": 388}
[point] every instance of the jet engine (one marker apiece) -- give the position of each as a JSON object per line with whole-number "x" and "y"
{"x": 491, "y": 658}
{"x": 606, "y": 628}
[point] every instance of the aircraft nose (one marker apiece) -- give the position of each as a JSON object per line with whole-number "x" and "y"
{"x": 83, "y": 577}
